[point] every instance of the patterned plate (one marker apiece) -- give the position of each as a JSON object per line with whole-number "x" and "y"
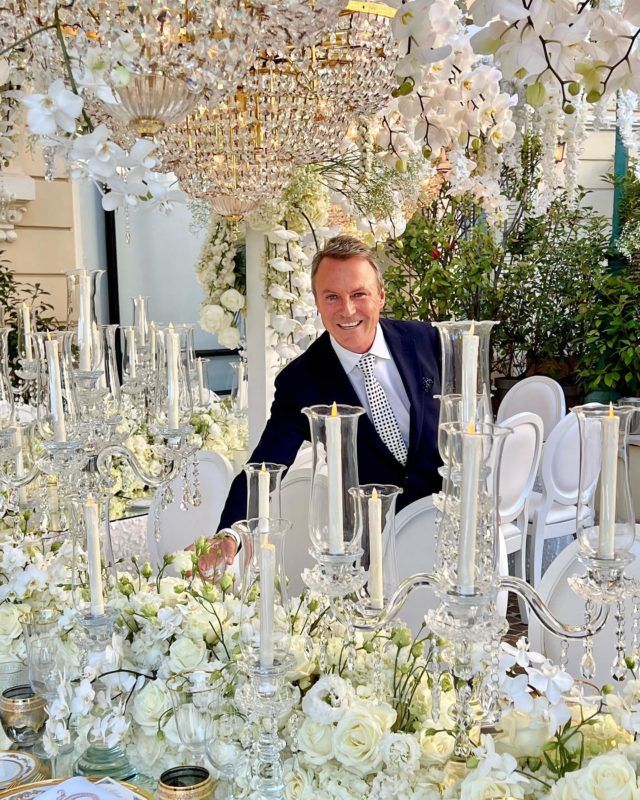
{"x": 32, "y": 790}
{"x": 17, "y": 767}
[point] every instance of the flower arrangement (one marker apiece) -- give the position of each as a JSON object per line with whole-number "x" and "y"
{"x": 376, "y": 713}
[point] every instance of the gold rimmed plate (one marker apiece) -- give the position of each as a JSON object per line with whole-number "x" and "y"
{"x": 17, "y": 767}
{"x": 31, "y": 791}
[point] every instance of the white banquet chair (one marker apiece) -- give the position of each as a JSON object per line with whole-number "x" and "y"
{"x": 295, "y": 495}
{"x": 178, "y": 528}
{"x": 554, "y": 510}
{"x": 538, "y": 394}
{"x": 569, "y": 608}
{"x": 415, "y": 552}
{"x": 518, "y": 470}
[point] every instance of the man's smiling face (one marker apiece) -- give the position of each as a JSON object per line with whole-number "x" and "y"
{"x": 349, "y": 299}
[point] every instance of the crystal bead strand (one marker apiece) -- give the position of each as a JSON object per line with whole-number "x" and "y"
{"x": 587, "y": 663}
{"x": 619, "y": 667}
{"x": 635, "y": 628}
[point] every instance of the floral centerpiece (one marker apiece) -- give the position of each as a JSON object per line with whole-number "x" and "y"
{"x": 376, "y": 715}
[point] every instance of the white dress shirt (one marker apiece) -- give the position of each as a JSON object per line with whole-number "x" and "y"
{"x": 387, "y": 375}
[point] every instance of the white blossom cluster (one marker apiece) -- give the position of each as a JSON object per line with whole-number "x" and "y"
{"x": 215, "y": 270}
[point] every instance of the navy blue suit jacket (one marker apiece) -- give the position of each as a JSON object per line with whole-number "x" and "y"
{"x": 317, "y": 377}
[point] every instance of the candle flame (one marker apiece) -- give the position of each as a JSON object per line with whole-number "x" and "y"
{"x": 49, "y": 335}
{"x": 334, "y": 410}
{"x": 263, "y": 467}
{"x": 374, "y": 494}
{"x": 472, "y": 329}
{"x": 171, "y": 328}
{"x": 90, "y": 501}
{"x": 472, "y": 427}
{"x": 611, "y": 414}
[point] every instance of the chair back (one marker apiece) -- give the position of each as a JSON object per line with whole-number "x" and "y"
{"x": 568, "y": 607}
{"x": 520, "y": 461}
{"x": 180, "y": 528}
{"x": 295, "y": 497}
{"x": 560, "y": 464}
{"x": 540, "y": 395}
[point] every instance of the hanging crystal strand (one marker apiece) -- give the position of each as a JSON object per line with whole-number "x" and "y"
{"x": 196, "y": 496}
{"x": 435, "y": 688}
{"x": 619, "y": 667}
{"x": 294, "y": 727}
{"x": 463, "y": 712}
{"x": 635, "y": 628}
{"x": 492, "y": 681}
{"x": 564, "y": 653}
{"x": 186, "y": 499}
{"x": 378, "y": 672}
{"x": 127, "y": 224}
{"x": 587, "y": 663}
{"x": 49, "y": 156}
{"x": 350, "y": 648}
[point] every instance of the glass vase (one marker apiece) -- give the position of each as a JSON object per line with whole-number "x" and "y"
{"x": 172, "y": 397}
{"x": 467, "y": 541}
{"x": 265, "y": 628}
{"x": 605, "y": 513}
{"x": 100, "y": 761}
{"x": 466, "y": 354}
{"x": 82, "y": 319}
{"x": 375, "y": 516}
{"x": 333, "y": 525}
{"x": 263, "y": 489}
{"x": 141, "y": 322}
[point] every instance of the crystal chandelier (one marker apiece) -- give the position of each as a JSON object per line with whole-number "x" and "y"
{"x": 296, "y": 22}
{"x": 294, "y": 107}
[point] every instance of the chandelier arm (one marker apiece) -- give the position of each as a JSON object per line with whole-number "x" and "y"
{"x": 119, "y": 451}
{"x": 19, "y": 483}
{"x": 546, "y": 618}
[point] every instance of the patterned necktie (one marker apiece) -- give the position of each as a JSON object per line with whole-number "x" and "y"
{"x": 384, "y": 420}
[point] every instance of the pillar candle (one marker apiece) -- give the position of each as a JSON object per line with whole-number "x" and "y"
{"x": 141, "y": 320}
{"x": 26, "y": 325}
{"x": 608, "y": 482}
{"x": 173, "y": 386}
{"x": 201, "y": 389}
{"x": 94, "y": 565}
{"x": 376, "y": 592}
{"x": 267, "y": 582}
{"x": 470, "y": 349}
{"x": 334, "y": 478}
{"x": 84, "y": 320}
{"x": 264, "y": 480}
{"x": 471, "y": 454}
{"x": 55, "y": 390}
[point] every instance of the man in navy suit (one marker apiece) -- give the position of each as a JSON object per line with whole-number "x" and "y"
{"x": 397, "y": 438}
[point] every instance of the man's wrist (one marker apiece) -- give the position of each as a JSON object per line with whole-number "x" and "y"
{"x": 229, "y": 532}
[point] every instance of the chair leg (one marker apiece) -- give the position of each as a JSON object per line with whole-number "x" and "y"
{"x": 537, "y": 549}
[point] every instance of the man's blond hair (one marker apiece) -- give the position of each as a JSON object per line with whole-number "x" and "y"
{"x": 342, "y": 248}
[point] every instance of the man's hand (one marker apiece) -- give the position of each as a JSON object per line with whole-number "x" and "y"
{"x": 215, "y": 553}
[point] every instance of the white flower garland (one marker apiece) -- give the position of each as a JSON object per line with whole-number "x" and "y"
{"x": 224, "y": 295}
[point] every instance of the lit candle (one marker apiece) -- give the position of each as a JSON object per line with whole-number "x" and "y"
{"x": 201, "y": 390}
{"x": 374, "y": 507}
{"x": 94, "y": 566}
{"x": 141, "y": 320}
{"x": 334, "y": 478}
{"x": 133, "y": 352}
{"x": 267, "y": 581}
{"x": 173, "y": 389}
{"x": 470, "y": 349}
{"x": 608, "y": 482}
{"x": 242, "y": 388}
{"x": 84, "y": 320}
{"x": 26, "y": 325}
{"x": 471, "y": 453}
{"x": 263, "y": 492}
{"x": 55, "y": 390}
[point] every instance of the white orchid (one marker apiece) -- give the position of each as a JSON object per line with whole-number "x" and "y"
{"x": 58, "y": 109}
{"x": 550, "y": 680}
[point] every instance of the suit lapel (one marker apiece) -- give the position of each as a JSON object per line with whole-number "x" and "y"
{"x": 403, "y": 350}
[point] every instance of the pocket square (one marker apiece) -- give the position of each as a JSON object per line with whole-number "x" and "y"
{"x": 427, "y": 384}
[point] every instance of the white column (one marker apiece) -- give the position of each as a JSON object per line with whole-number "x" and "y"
{"x": 260, "y": 381}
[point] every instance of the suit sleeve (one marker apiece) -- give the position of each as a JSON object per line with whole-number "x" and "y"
{"x": 286, "y": 429}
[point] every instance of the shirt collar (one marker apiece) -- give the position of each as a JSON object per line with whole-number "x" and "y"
{"x": 349, "y": 360}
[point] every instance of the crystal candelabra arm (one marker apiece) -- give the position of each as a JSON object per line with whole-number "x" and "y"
{"x": 547, "y": 619}
{"x": 120, "y": 451}
{"x": 19, "y": 483}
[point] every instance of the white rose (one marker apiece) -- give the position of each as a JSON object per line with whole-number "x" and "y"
{"x": 609, "y": 777}
{"x": 229, "y": 338}
{"x": 484, "y": 787}
{"x": 150, "y": 748}
{"x": 232, "y": 299}
{"x": 298, "y": 785}
{"x": 185, "y": 654}
{"x": 315, "y": 739}
{"x": 213, "y": 318}
{"x": 150, "y": 704}
{"x": 436, "y": 748}
{"x": 304, "y": 665}
{"x": 521, "y": 735}
{"x": 357, "y": 738}
{"x": 10, "y": 626}
{"x": 182, "y": 562}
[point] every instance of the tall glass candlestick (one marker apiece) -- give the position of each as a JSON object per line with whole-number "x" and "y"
{"x": 55, "y": 390}
{"x": 334, "y": 470}
{"x": 471, "y": 454}
{"x": 267, "y": 576}
{"x": 173, "y": 391}
{"x": 470, "y": 350}
{"x": 94, "y": 566}
{"x": 608, "y": 482}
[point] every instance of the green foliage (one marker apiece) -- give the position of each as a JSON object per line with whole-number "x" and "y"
{"x": 610, "y": 343}
{"x": 12, "y": 294}
{"x": 533, "y": 278}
